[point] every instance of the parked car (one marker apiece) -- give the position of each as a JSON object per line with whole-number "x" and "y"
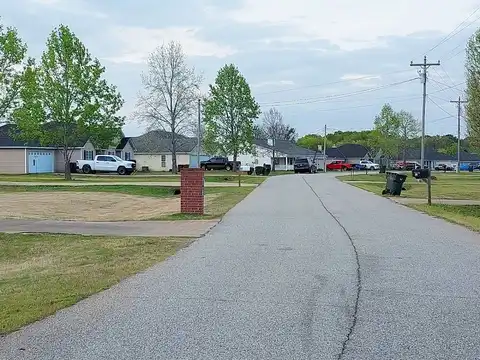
{"x": 444, "y": 167}
{"x": 465, "y": 167}
{"x": 106, "y": 163}
{"x": 304, "y": 165}
{"x": 339, "y": 165}
{"x": 407, "y": 165}
{"x": 367, "y": 164}
{"x": 219, "y": 163}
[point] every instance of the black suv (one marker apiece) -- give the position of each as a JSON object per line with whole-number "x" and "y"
{"x": 304, "y": 165}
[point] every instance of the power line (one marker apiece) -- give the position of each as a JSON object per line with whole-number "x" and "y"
{"x": 329, "y": 97}
{"x": 441, "y": 108}
{"x": 331, "y": 83}
{"x": 454, "y": 32}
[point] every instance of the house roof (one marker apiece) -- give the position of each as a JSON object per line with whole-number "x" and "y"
{"x": 466, "y": 156}
{"x": 346, "y": 151}
{"x": 159, "y": 141}
{"x": 121, "y": 145}
{"x": 7, "y": 138}
{"x": 286, "y": 147}
{"x": 433, "y": 155}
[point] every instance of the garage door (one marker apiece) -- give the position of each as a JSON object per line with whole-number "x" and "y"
{"x": 40, "y": 162}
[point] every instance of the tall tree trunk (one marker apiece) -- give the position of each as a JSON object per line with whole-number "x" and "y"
{"x": 174, "y": 155}
{"x": 66, "y": 160}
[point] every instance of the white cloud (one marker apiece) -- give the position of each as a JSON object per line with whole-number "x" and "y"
{"x": 77, "y": 7}
{"x": 139, "y": 42}
{"x": 351, "y": 24}
{"x": 273, "y": 83}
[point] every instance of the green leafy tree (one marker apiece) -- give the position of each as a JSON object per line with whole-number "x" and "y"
{"x": 409, "y": 127}
{"x": 65, "y": 98}
{"x": 12, "y": 56}
{"x": 311, "y": 141}
{"x": 472, "y": 71}
{"x": 229, "y": 114}
{"x": 387, "y": 124}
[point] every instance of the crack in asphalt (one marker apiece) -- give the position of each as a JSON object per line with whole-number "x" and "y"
{"x": 359, "y": 277}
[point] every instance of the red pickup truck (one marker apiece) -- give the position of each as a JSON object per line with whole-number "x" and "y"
{"x": 339, "y": 165}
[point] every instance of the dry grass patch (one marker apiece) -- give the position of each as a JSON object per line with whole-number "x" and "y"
{"x": 89, "y": 206}
{"x": 42, "y": 273}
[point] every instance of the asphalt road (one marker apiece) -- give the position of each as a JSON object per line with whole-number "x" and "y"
{"x": 282, "y": 277}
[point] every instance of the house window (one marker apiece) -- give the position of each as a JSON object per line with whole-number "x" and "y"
{"x": 164, "y": 161}
{"x": 88, "y": 155}
{"x": 128, "y": 156}
{"x": 109, "y": 152}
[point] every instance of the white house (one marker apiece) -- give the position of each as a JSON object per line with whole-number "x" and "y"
{"x": 285, "y": 154}
{"x": 153, "y": 150}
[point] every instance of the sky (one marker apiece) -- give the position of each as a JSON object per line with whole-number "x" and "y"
{"x": 319, "y": 62}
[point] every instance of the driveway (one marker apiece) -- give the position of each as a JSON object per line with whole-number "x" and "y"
{"x": 283, "y": 277}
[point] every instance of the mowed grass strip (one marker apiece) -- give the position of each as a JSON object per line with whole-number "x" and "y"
{"x": 40, "y": 274}
{"x": 210, "y": 178}
{"x": 466, "y": 215}
{"x": 446, "y": 186}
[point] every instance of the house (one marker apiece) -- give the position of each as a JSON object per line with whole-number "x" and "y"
{"x": 285, "y": 154}
{"x": 433, "y": 158}
{"x": 154, "y": 150}
{"x": 351, "y": 153}
{"x": 20, "y": 157}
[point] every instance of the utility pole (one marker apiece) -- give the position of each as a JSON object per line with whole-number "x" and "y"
{"x": 459, "y": 103}
{"x": 423, "y": 72}
{"x": 198, "y": 131}
{"x": 325, "y": 149}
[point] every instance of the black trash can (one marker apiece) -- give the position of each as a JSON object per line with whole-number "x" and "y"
{"x": 470, "y": 168}
{"x": 73, "y": 167}
{"x": 268, "y": 169}
{"x": 383, "y": 169}
{"x": 250, "y": 172}
{"x": 394, "y": 183}
{"x": 259, "y": 170}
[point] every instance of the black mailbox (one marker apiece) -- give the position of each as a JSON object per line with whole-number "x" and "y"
{"x": 420, "y": 173}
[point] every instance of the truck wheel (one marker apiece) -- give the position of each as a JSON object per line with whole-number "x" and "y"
{"x": 228, "y": 168}
{"x": 372, "y": 168}
{"x": 121, "y": 170}
{"x": 86, "y": 169}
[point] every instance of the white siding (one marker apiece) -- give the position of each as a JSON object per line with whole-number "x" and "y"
{"x": 154, "y": 161}
{"x": 262, "y": 156}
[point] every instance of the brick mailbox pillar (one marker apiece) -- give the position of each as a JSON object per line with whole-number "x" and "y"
{"x": 191, "y": 191}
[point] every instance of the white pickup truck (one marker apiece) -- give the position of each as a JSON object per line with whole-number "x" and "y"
{"x": 106, "y": 163}
{"x": 366, "y": 164}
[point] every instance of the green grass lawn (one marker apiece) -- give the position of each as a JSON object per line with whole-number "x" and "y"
{"x": 466, "y": 215}
{"x": 40, "y": 274}
{"x": 446, "y": 186}
{"x": 211, "y": 178}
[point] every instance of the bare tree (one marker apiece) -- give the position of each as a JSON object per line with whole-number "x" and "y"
{"x": 169, "y": 99}
{"x": 275, "y": 129}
